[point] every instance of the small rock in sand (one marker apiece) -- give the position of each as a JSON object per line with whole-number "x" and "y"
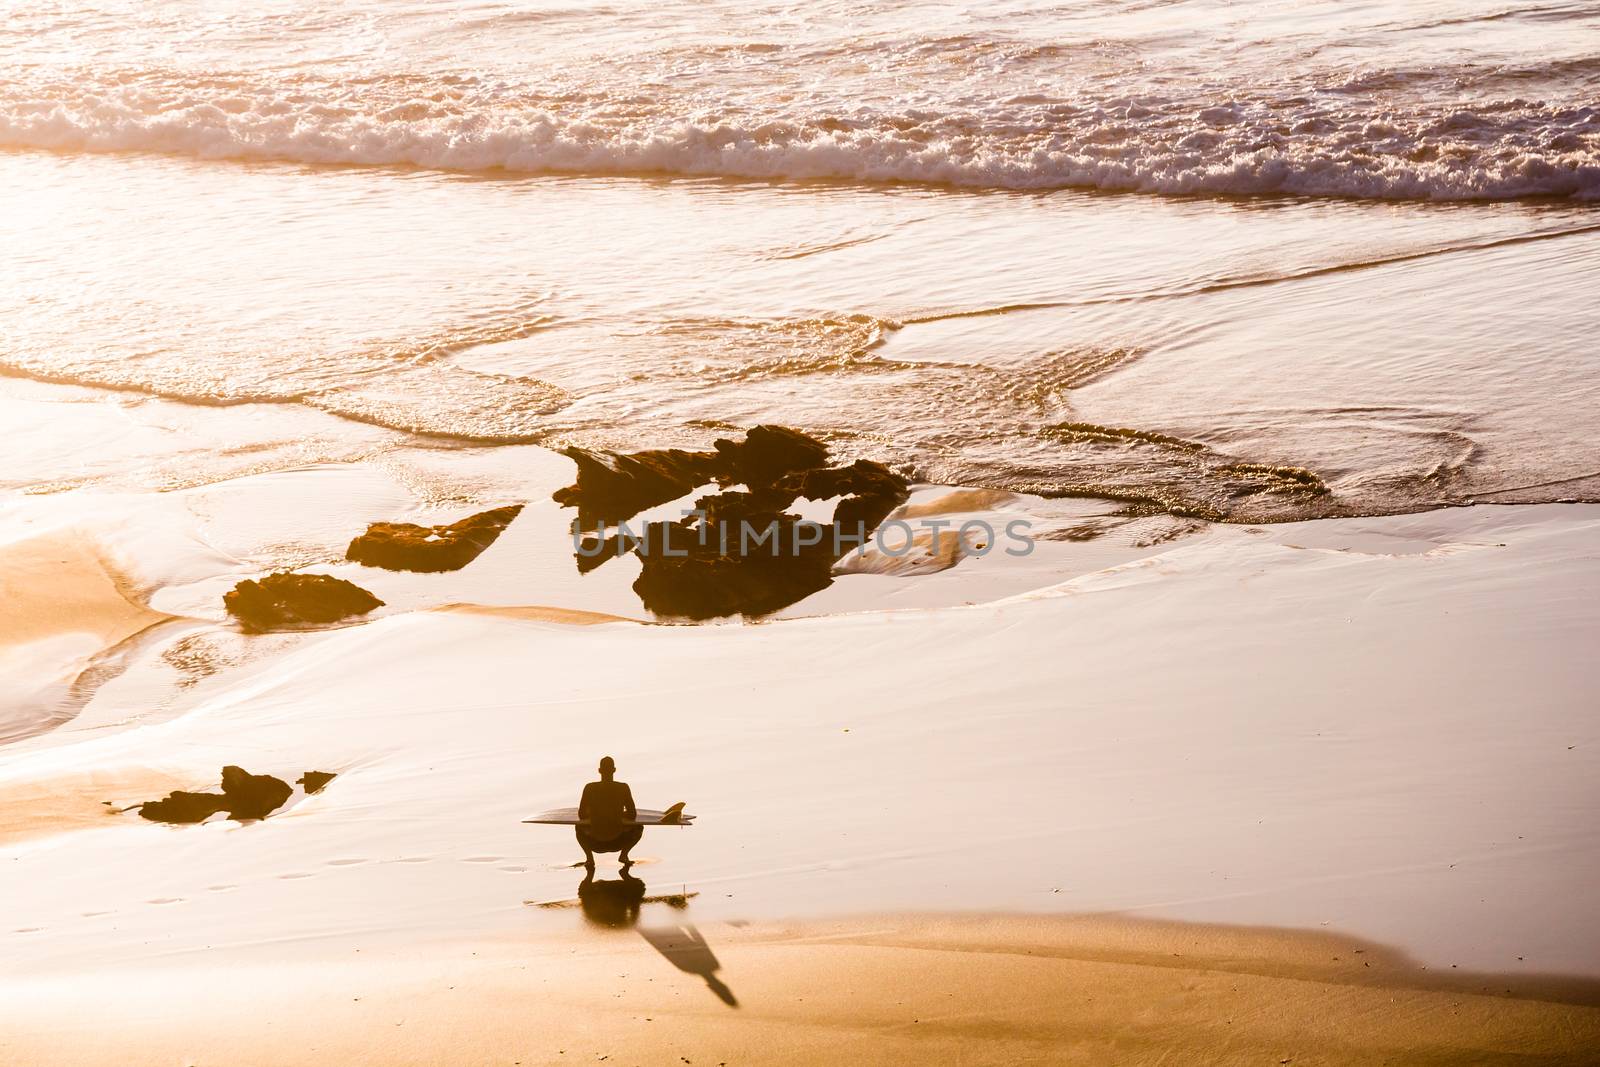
{"x": 253, "y": 796}
{"x": 314, "y": 781}
{"x": 180, "y": 806}
{"x": 287, "y": 599}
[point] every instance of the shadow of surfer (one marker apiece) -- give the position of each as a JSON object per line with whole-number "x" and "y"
{"x": 688, "y": 951}
{"x": 615, "y": 903}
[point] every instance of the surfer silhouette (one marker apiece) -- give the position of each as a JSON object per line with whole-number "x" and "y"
{"x": 606, "y": 817}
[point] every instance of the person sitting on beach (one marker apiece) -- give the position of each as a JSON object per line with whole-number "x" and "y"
{"x": 606, "y": 817}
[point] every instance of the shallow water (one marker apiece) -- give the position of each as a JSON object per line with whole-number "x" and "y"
{"x": 1404, "y": 355}
{"x": 903, "y": 228}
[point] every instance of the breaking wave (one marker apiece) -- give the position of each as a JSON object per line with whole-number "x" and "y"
{"x": 1327, "y": 144}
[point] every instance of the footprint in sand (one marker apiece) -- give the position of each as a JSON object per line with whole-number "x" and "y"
{"x": 515, "y": 870}
{"x": 220, "y": 888}
{"x": 28, "y": 930}
{"x": 298, "y": 874}
{"x": 95, "y": 914}
{"x": 482, "y": 859}
{"x": 165, "y": 900}
{"x": 346, "y": 863}
{"x": 415, "y": 859}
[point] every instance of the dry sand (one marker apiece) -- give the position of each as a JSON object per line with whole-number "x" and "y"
{"x": 889, "y": 990}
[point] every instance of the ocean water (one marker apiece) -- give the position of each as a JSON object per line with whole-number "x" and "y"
{"x": 1240, "y": 261}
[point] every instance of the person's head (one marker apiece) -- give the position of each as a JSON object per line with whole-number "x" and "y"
{"x": 608, "y": 767}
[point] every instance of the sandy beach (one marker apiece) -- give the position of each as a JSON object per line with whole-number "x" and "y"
{"x": 1416, "y": 843}
{"x": 884, "y": 990}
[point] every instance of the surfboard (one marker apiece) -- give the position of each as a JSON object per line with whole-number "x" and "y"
{"x": 673, "y": 816}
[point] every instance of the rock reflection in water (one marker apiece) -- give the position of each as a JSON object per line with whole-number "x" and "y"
{"x": 743, "y": 551}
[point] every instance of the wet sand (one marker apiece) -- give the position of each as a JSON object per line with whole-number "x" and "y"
{"x": 61, "y": 606}
{"x": 66, "y": 802}
{"x": 890, "y": 990}
{"x": 1325, "y": 727}
{"x": 60, "y": 584}
{"x": 1243, "y": 726}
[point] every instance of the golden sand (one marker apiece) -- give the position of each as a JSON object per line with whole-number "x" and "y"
{"x": 79, "y": 801}
{"x": 539, "y": 613}
{"x": 895, "y": 990}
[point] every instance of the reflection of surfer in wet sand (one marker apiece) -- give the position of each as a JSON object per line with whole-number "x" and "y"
{"x": 611, "y": 903}
{"x": 606, "y": 817}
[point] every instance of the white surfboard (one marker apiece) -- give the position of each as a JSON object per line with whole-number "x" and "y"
{"x": 673, "y": 816}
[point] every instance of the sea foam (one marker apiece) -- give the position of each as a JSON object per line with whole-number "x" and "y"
{"x": 1310, "y": 145}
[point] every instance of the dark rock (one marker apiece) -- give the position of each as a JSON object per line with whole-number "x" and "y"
{"x": 612, "y": 486}
{"x": 766, "y": 454}
{"x": 243, "y": 796}
{"x": 253, "y": 796}
{"x": 181, "y": 807}
{"x": 708, "y": 583}
{"x": 870, "y": 491}
{"x": 314, "y": 781}
{"x": 402, "y": 546}
{"x": 287, "y": 599}
{"x": 863, "y": 478}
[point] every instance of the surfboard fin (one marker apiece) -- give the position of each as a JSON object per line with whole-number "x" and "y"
{"x": 673, "y": 814}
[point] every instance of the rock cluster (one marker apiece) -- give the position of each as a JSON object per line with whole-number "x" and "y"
{"x": 243, "y": 796}
{"x": 705, "y": 566}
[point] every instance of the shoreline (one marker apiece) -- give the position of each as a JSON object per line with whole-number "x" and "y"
{"x": 884, "y": 989}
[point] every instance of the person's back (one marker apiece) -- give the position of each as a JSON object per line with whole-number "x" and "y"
{"x": 608, "y": 806}
{"x": 606, "y": 817}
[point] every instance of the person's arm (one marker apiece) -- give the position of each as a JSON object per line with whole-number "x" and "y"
{"x": 583, "y": 804}
{"x": 628, "y": 811}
